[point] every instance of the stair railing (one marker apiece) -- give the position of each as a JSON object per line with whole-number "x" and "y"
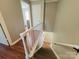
{"x": 32, "y": 39}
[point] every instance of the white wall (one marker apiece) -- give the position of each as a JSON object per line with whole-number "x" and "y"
{"x": 67, "y": 22}
{"x": 50, "y": 13}
{"x": 37, "y": 11}
{"x": 11, "y": 11}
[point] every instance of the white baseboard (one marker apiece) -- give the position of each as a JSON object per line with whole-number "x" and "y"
{"x": 67, "y": 45}
{"x": 15, "y": 42}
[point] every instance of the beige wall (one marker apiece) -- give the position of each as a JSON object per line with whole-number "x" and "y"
{"x": 50, "y": 13}
{"x": 12, "y": 15}
{"x": 67, "y": 22}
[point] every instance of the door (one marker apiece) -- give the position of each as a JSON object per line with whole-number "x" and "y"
{"x": 3, "y": 39}
{"x": 37, "y": 9}
{"x": 26, "y": 13}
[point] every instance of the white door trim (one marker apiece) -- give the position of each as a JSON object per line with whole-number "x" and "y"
{"x": 5, "y": 29}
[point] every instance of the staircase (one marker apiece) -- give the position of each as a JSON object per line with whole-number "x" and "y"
{"x": 44, "y": 53}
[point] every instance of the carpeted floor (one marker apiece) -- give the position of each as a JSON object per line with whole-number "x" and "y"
{"x": 44, "y": 53}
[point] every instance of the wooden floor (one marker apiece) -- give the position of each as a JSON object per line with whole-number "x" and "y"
{"x": 17, "y": 52}
{"x": 14, "y": 52}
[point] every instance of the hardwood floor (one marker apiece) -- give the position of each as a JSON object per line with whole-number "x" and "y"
{"x": 17, "y": 52}
{"x": 14, "y": 52}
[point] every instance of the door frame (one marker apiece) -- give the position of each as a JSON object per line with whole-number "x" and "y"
{"x": 30, "y": 12}
{"x": 5, "y": 30}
